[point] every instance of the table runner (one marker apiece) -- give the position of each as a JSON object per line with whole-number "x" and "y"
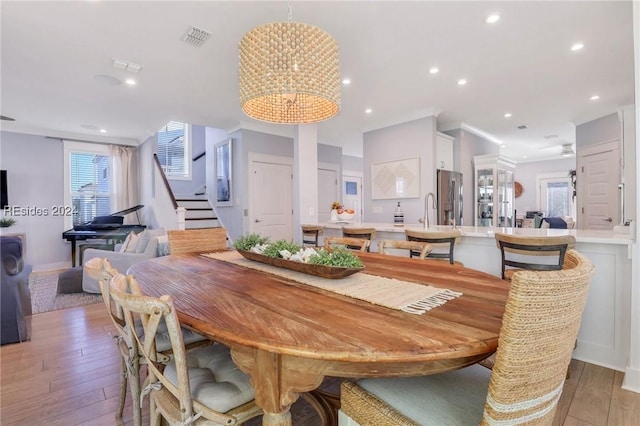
{"x": 389, "y": 292}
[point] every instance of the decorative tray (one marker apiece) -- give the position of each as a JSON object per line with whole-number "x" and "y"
{"x": 323, "y": 271}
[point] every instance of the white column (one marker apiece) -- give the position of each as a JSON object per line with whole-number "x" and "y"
{"x": 305, "y": 177}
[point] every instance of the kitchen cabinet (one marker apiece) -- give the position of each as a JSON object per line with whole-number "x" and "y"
{"x": 444, "y": 151}
{"x": 494, "y": 192}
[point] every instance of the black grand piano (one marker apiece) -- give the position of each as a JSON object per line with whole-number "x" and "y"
{"x": 109, "y": 228}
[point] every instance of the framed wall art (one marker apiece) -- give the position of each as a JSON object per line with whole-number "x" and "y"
{"x": 395, "y": 179}
{"x": 224, "y": 175}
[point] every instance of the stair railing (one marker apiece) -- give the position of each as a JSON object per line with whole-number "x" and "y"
{"x": 165, "y": 180}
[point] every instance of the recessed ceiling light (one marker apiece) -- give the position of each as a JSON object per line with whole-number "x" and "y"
{"x": 493, "y": 18}
{"x": 130, "y": 82}
{"x": 594, "y": 98}
{"x": 346, "y": 81}
{"x": 462, "y": 82}
{"x": 577, "y": 46}
{"x": 368, "y": 110}
{"x": 524, "y": 156}
{"x": 507, "y": 115}
{"x": 433, "y": 70}
{"x": 103, "y": 130}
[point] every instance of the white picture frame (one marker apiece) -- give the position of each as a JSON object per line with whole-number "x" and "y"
{"x": 395, "y": 179}
{"x": 224, "y": 173}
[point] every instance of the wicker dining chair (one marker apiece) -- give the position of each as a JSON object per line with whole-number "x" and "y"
{"x": 357, "y": 244}
{"x": 534, "y": 350}
{"x": 443, "y": 242}
{"x": 203, "y": 240}
{"x": 422, "y": 248}
{"x": 549, "y": 252}
{"x": 202, "y": 386}
{"x": 101, "y": 270}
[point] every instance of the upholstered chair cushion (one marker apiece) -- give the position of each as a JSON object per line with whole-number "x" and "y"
{"x": 454, "y": 398}
{"x": 163, "y": 343}
{"x": 214, "y": 379}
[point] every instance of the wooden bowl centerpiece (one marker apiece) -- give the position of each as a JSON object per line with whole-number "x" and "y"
{"x": 334, "y": 264}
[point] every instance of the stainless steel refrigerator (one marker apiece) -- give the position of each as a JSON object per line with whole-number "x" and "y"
{"x": 449, "y": 198}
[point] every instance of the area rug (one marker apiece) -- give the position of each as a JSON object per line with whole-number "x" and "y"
{"x": 44, "y": 298}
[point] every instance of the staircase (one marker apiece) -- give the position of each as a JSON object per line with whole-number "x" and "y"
{"x": 198, "y": 213}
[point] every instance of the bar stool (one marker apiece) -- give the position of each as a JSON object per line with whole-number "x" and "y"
{"x": 310, "y": 234}
{"x": 361, "y": 233}
{"x": 549, "y": 252}
{"x": 439, "y": 239}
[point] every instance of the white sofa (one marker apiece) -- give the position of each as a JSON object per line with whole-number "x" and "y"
{"x": 151, "y": 243}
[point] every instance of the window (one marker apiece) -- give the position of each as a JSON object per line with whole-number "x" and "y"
{"x": 174, "y": 150}
{"x": 555, "y": 196}
{"x": 88, "y": 185}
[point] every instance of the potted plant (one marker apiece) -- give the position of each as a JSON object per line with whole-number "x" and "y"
{"x": 6, "y": 222}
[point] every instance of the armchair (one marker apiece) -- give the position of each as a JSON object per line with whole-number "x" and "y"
{"x": 122, "y": 261}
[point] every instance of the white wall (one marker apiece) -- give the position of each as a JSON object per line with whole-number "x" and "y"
{"x": 35, "y": 179}
{"x": 408, "y": 140}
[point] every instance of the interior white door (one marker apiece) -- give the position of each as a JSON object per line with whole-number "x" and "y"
{"x": 598, "y": 179}
{"x": 272, "y": 200}
{"x": 352, "y": 195}
{"x": 327, "y": 192}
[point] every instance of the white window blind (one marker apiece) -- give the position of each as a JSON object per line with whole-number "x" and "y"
{"x": 89, "y": 186}
{"x": 173, "y": 149}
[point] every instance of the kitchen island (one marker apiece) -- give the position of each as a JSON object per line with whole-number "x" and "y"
{"x": 604, "y": 337}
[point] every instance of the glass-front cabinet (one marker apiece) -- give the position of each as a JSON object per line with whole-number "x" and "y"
{"x": 494, "y": 196}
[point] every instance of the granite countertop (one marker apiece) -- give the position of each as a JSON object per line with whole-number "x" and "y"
{"x": 582, "y": 235}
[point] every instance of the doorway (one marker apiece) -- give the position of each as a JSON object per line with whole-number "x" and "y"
{"x": 271, "y": 188}
{"x": 352, "y": 195}
{"x": 598, "y": 178}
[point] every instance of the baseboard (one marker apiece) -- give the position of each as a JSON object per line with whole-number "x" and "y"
{"x": 52, "y": 266}
{"x": 631, "y": 380}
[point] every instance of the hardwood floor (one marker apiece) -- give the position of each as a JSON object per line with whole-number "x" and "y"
{"x": 68, "y": 374}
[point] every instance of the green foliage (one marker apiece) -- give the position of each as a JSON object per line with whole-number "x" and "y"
{"x": 5, "y": 222}
{"x": 250, "y": 240}
{"x": 342, "y": 257}
{"x": 273, "y": 249}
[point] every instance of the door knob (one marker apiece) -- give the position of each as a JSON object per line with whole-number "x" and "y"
{"x": 258, "y": 220}
{"x": 608, "y": 219}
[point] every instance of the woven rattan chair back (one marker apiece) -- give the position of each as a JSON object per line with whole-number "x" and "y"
{"x": 443, "y": 242}
{"x": 357, "y": 244}
{"x": 171, "y": 400}
{"x": 310, "y": 235}
{"x": 422, "y": 248}
{"x": 540, "y": 323}
{"x": 539, "y": 328}
{"x": 518, "y": 251}
{"x": 203, "y": 240}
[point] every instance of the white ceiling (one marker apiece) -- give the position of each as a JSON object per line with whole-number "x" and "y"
{"x": 52, "y": 52}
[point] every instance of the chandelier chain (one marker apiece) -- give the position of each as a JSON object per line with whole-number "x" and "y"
{"x": 290, "y": 14}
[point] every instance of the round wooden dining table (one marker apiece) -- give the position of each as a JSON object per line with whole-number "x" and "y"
{"x": 288, "y": 336}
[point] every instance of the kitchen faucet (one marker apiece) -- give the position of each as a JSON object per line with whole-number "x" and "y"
{"x": 426, "y": 208}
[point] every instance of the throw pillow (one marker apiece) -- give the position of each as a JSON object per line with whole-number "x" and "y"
{"x": 133, "y": 243}
{"x": 146, "y": 236}
{"x": 125, "y": 243}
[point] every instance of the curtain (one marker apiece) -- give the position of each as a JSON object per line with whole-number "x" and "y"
{"x": 125, "y": 180}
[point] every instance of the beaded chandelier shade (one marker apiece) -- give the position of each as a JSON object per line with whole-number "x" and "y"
{"x": 289, "y": 73}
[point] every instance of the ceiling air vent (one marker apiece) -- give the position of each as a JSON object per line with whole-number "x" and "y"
{"x": 196, "y": 36}
{"x": 522, "y": 127}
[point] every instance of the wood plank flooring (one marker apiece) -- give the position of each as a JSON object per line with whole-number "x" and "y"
{"x": 68, "y": 374}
